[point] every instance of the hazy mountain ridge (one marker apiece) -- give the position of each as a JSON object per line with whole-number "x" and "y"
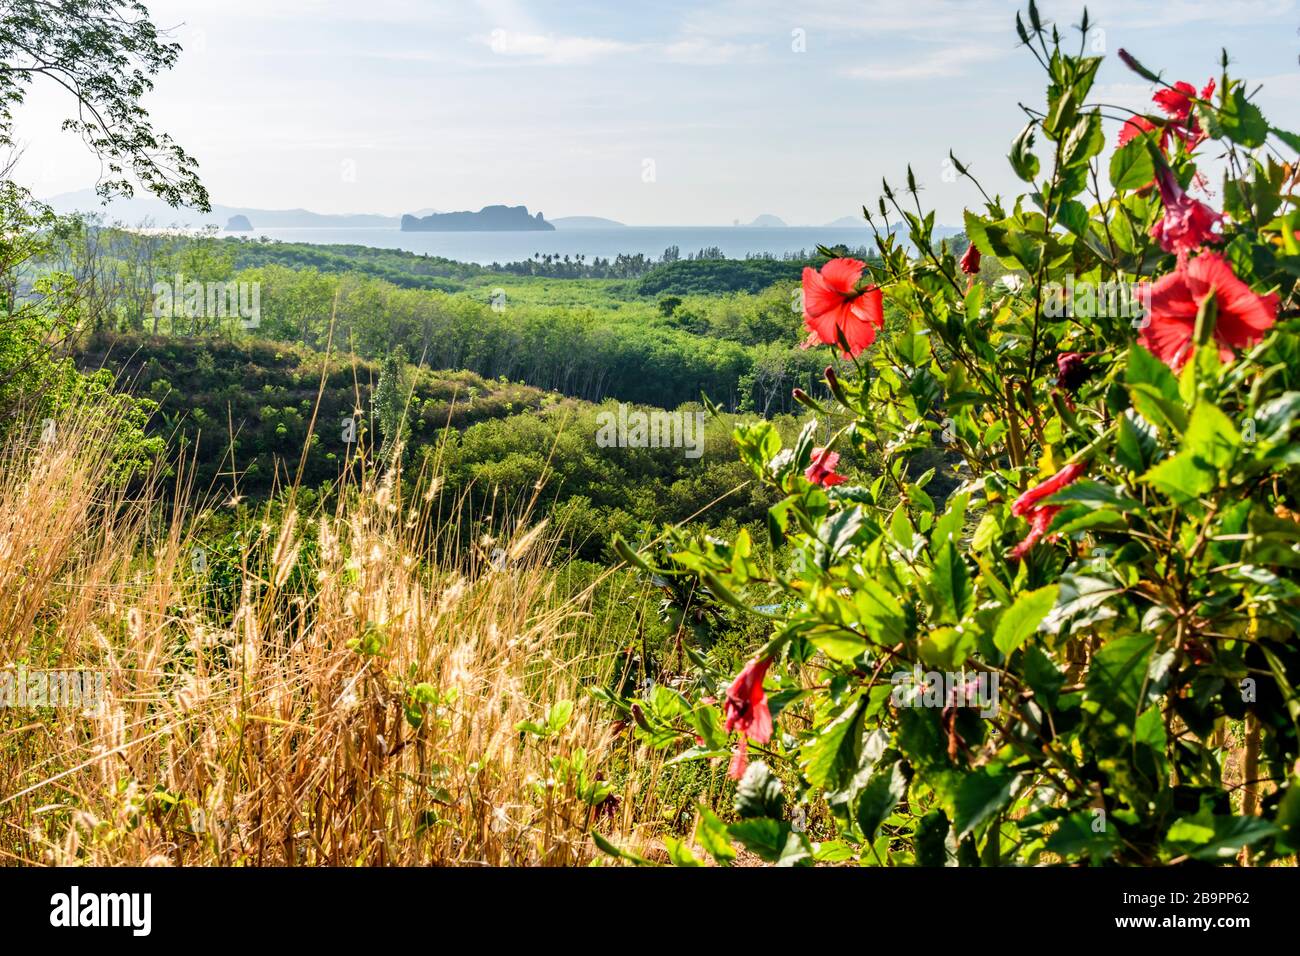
{"x": 135, "y": 209}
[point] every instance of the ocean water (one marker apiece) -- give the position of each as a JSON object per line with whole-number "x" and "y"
{"x": 485, "y": 248}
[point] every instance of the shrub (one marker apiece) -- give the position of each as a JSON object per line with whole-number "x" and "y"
{"x": 1109, "y": 570}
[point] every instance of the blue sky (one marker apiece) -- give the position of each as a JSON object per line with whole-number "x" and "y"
{"x": 683, "y": 113}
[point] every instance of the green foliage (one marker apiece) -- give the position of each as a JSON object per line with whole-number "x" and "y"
{"x": 1153, "y": 605}
{"x": 105, "y": 53}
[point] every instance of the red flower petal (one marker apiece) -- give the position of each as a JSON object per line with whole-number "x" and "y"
{"x": 822, "y": 470}
{"x": 1171, "y": 320}
{"x": 1039, "y": 521}
{"x": 1242, "y": 316}
{"x": 746, "y": 706}
{"x": 1133, "y": 127}
{"x": 833, "y": 306}
{"x": 842, "y": 275}
{"x": 1188, "y": 223}
{"x": 1051, "y": 486}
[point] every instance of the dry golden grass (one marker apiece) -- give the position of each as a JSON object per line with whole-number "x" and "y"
{"x": 359, "y": 705}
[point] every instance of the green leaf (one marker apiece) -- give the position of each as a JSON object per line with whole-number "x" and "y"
{"x": 708, "y": 725}
{"x": 1209, "y": 445}
{"x": 980, "y": 796}
{"x": 1117, "y": 676}
{"x": 679, "y": 854}
{"x": 711, "y": 834}
{"x": 954, "y": 596}
{"x": 1215, "y": 837}
{"x": 930, "y": 839}
{"x": 1022, "y": 157}
{"x": 884, "y": 791}
{"x": 1084, "y": 834}
{"x": 1288, "y": 816}
{"x": 619, "y": 854}
{"x": 1081, "y": 600}
{"x": 558, "y": 714}
{"x": 837, "y": 643}
{"x": 1020, "y": 620}
{"x": 948, "y": 647}
{"x": 1211, "y": 436}
{"x": 1073, "y": 215}
{"x": 771, "y": 840}
{"x": 1131, "y": 166}
{"x": 759, "y": 792}
{"x": 1241, "y": 120}
{"x": 1154, "y": 390}
{"x": 1291, "y": 139}
{"x": 1095, "y": 495}
{"x": 832, "y": 851}
{"x": 837, "y": 533}
{"x": 629, "y": 555}
{"x": 1135, "y": 445}
{"x": 1071, "y": 522}
{"x": 1274, "y": 418}
{"x": 1084, "y": 141}
{"x": 832, "y": 756}
{"x": 879, "y": 612}
{"x": 978, "y": 236}
{"x": 949, "y": 525}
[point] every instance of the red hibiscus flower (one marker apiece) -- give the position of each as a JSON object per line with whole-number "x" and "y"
{"x": 1188, "y": 223}
{"x": 1177, "y": 102}
{"x": 1241, "y": 316}
{"x": 1135, "y": 126}
{"x": 970, "y": 262}
{"x": 747, "y": 711}
{"x": 822, "y": 470}
{"x": 1040, "y": 516}
{"x": 833, "y": 305}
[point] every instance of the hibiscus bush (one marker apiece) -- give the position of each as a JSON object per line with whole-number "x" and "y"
{"x": 1073, "y": 637}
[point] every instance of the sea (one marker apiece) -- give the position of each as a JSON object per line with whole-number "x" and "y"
{"x": 485, "y": 248}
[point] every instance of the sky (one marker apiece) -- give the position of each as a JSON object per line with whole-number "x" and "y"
{"x": 698, "y": 112}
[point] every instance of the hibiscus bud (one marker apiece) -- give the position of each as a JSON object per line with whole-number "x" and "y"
{"x": 836, "y": 388}
{"x": 970, "y": 261}
{"x": 1137, "y": 67}
{"x": 1072, "y": 371}
{"x": 639, "y": 716}
{"x": 803, "y": 398}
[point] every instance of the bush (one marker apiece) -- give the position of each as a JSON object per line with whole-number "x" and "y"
{"x": 1041, "y": 658}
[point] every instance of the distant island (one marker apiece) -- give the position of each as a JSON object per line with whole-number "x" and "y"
{"x": 768, "y": 221}
{"x": 587, "y": 222}
{"x": 238, "y": 223}
{"x": 487, "y": 219}
{"x": 848, "y": 222}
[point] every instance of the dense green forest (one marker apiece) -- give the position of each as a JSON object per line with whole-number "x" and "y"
{"x": 687, "y": 327}
{"x": 243, "y": 409}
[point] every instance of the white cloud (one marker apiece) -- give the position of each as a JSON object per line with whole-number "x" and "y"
{"x": 935, "y": 64}
{"x": 553, "y": 48}
{"x": 703, "y": 51}
{"x": 557, "y": 49}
